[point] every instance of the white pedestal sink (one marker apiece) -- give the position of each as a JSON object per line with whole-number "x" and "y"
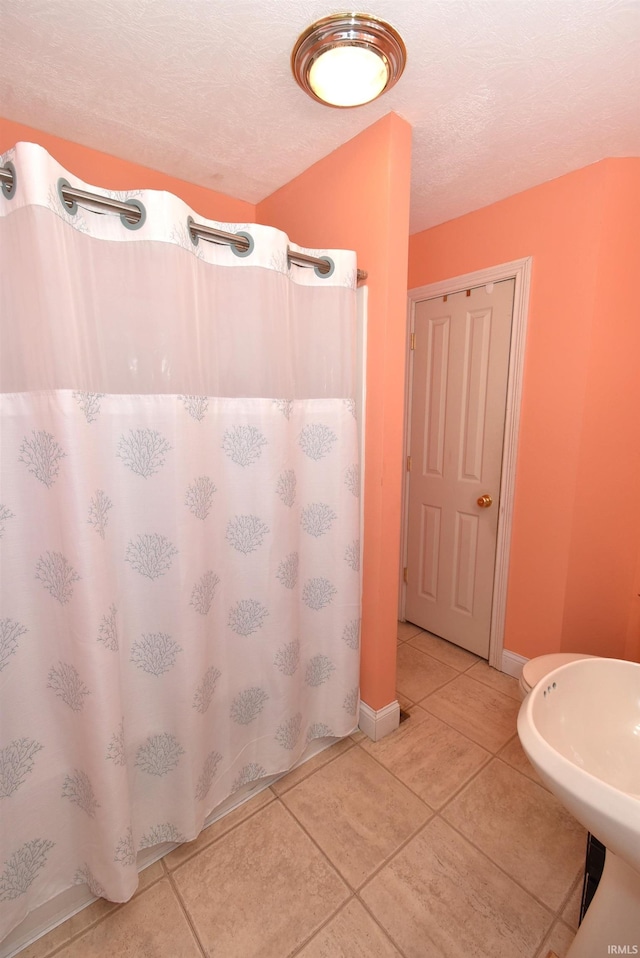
{"x": 581, "y": 731}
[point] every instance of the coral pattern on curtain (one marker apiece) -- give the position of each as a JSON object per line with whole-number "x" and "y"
{"x": 179, "y": 518}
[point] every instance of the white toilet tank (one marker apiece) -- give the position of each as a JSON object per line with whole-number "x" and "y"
{"x": 536, "y": 669}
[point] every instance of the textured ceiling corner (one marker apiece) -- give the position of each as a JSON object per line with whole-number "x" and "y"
{"x": 501, "y": 95}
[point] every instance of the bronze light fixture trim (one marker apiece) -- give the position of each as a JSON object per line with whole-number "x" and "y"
{"x": 348, "y": 59}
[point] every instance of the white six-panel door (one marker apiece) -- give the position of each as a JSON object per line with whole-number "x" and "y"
{"x": 460, "y": 371}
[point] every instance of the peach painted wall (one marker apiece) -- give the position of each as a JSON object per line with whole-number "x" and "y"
{"x": 632, "y": 647}
{"x": 602, "y": 588}
{"x": 101, "y": 169}
{"x": 576, "y": 531}
{"x": 358, "y": 198}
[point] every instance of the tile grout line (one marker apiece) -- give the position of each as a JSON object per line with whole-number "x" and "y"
{"x": 275, "y": 797}
{"x": 457, "y": 676}
{"x": 447, "y": 644}
{"x": 298, "y": 948}
{"x": 481, "y": 685}
{"x": 333, "y": 868}
{"x": 477, "y": 847}
{"x": 433, "y": 814}
{"x": 94, "y": 924}
{"x": 442, "y": 661}
{"x": 444, "y": 721}
{"x": 213, "y": 841}
{"x": 485, "y": 685}
{"x": 324, "y": 765}
{"x": 438, "y": 687}
{"x": 421, "y": 705}
{"x": 508, "y": 742}
{"x": 355, "y": 891}
{"x": 387, "y": 933}
{"x": 419, "y": 631}
{"x": 187, "y": 916}
{"x": 556, "y": 915}
{"x": 392, "y": 855}
{"x": 324, "y": 854}
{"x": 475, "y": 775}
{"x": 574, "y": 881}
{"x": 467, "y": 668}
{"x": 74, "y": 938}
{"x": 461, "y": 672}
{"x": 433, "y": 810}
{"x": 540, "y": 784}
{"x": 532, "y": 895}
{"x": 575, "y": 884}
{"x": 358, "y": 893}
{"x": 352, "y": 898}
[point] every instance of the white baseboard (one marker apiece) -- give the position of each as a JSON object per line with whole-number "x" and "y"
{"x": 512, "y": 663}
{"x": 376, "y": 725}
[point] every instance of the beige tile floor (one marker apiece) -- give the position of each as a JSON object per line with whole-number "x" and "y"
{"x": 437, "y": 842}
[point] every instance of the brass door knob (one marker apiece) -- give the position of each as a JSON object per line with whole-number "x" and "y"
{"x": 485, "y": 501}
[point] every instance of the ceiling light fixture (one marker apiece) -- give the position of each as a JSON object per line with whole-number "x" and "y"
{"x": 348, "y": 59}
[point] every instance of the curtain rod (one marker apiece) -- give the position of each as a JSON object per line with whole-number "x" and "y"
{"x": 133, "y": 214}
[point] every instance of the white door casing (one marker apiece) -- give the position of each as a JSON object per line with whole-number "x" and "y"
{"x": 460, "y": 367}
{"x": 520, "y": 272}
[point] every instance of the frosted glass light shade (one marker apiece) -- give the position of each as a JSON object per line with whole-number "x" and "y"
{"x": 346, "y": 60}
{"x": 348, "y": 76}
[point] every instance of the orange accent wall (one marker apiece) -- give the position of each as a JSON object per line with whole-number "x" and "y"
{"x": 358, "y": 198}
{"x": 632, "y": 648}
{"x": 602, "y": 588}
{"x": 573, "y": 573}
{"x": 101, "y": 169}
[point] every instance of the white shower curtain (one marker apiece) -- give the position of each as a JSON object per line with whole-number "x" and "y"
{"x": 179, "y": 519}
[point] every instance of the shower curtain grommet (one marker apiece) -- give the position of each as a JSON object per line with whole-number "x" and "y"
{"x": 134, "y": 224}
{"x": 195, "y": 239}
{"x": 9, "y": 189}
{"x": 242, "y": 253}
{"x": 69, "y": 206}
{"x": 326, "y": 273}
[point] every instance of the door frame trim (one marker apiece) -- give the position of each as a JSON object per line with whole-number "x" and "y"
{"x": 520, "y": 271}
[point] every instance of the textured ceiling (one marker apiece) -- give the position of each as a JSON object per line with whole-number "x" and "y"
{"x": 501, "y": 94}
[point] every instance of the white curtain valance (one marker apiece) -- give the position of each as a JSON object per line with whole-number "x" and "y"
{"x": 166, "y": 219}
{"x": 91, "y": 257}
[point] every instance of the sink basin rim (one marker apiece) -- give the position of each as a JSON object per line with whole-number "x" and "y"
{"x": 609, "y": 812}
